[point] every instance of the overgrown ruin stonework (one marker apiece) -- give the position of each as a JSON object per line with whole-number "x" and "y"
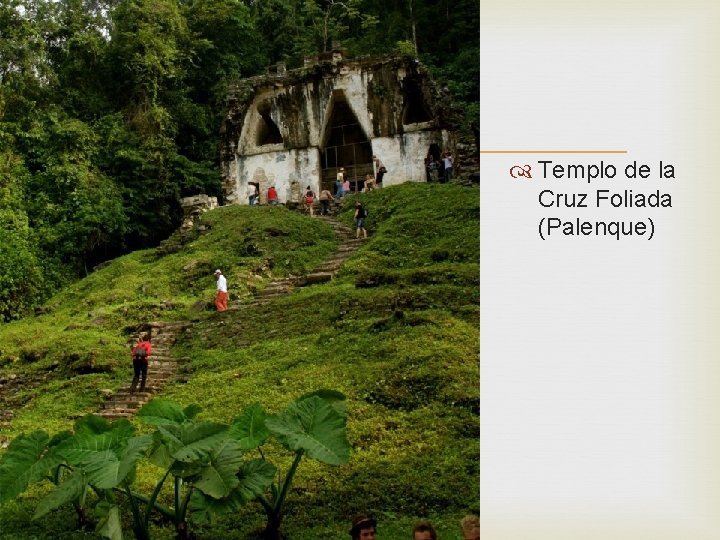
{"x": 291, "y": 129}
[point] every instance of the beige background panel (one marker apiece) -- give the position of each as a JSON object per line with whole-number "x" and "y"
{"x": 600, "y": 359}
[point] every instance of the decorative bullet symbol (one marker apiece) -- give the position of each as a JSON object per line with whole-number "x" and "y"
{"x": 516, "y": 171}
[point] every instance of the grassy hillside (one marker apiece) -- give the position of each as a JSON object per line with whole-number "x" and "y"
{"x": 396, "y": 332}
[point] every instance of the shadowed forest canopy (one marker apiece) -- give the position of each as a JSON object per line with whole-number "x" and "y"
{"x": 110, "y": 110}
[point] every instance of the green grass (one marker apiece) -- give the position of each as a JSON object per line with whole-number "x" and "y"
{"x": 396, "y": 331}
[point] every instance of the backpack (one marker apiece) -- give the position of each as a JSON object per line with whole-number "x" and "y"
{"x": 140, "y": 353}
{"x": 309, "y": 197}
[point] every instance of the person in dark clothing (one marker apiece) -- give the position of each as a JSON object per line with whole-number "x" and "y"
{"x": 360, "y": 215}
{"x": 140, "y": 355}
{"x": 380, "y": 171}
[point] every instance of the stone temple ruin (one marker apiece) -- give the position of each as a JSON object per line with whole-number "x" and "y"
{"x": 294, "y": 128}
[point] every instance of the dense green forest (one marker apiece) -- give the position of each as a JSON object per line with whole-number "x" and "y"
{"x": 110, "y": 110}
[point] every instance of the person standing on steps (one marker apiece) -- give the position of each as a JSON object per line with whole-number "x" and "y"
{"x": 252, "y": 194}
{"x": 221, "y": 294}
{"x": 272, "y": 196}
{"x": 360, "y": 215}
{"x": 380, "y": 171}
{"x": 369, "y": 183}
{"x": 309, "y": 200}
{"x": 433, "y": 167}
{"x": 325, "y": 198}
{"x": 140, "y": 355}
{"x": 339, "y": 182}
{"x": 448, "y": 166}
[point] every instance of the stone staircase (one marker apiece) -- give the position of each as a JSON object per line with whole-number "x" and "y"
{"x": 323, "y": 273}
{"x": 162, "y": 369}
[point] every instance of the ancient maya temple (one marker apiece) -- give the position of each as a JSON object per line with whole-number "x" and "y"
{"x": 294, "y": 128}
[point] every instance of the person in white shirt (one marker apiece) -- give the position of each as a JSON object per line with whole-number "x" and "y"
{"x": 221, "y": 295}
{"x": 448, "y": 163}
{"x": 252, "y": 194}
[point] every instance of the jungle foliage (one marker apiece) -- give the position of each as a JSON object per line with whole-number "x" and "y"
{"x": 110, "y": 110}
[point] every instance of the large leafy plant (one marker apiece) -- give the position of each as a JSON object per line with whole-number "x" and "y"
{"x": 208, "y": 462}
{"x": 99, "y": 457}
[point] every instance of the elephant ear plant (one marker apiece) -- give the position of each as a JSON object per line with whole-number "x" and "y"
{"x": 209, "y": 462}
{"x": 202, "y": 459}
{"x": 97, "y": 457}
{"x": 314, "y": 426}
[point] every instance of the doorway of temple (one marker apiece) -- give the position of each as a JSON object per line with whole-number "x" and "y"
{"x": 346, "y": 146}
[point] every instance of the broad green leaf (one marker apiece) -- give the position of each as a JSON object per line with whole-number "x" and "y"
{"x": 23, "y": 464}
{"x": 218, "y": 478}
{"x": 59, "y": 437}
{"x": 205, "y": 508}
{"x": 160, "y": 454}
{"x": 100, "y": 468}
{"x": 76, "y": 450}
{"x": 335, "y": 398}
{"x": 198, "y": 440}
{"x": 312, "y": 425}
{"x": 249, "y": 428}
{"x": 169, "y": 435}
{"x": 70, "y": 490}
{"x": 92, "y": 425}
{"x": 191, "y": 411}
{"x": 255, "y": 477}
{"x": 131, "y": 454}
{"x": 109, "y": 526}
{"x": 161, "y": 412}
{"x": 108, "y": 468}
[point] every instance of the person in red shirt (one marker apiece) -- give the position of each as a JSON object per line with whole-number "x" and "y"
{"x": 140, "y": 355}
{"x": 272, "y": 195}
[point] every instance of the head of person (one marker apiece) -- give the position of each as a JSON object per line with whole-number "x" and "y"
{"x": 423, "y": 530}
{"x": 470, "y": 526}
{"x": 363, "y": 528}
{"x": 146, "y": 337}
{"x": 218, "y": 273}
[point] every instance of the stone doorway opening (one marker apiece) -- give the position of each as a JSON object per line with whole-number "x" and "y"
{"x": 347, "y": 146}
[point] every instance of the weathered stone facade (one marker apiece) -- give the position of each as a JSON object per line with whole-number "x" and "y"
{"x": 296, "y": 128}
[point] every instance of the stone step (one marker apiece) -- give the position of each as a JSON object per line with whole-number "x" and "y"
{"x": 336, "y": 261}
{"x": 278, "y": 286}
{"x": 272, "y": 295}
{"x": 272, "y": 290}
{"x": 125, "y": 405}
{"x": 314, "y": 278}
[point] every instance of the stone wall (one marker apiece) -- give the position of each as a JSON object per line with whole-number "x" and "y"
{"x": 278, "y": 124}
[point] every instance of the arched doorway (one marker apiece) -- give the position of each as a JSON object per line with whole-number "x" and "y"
{"x": 346, "y": 145}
